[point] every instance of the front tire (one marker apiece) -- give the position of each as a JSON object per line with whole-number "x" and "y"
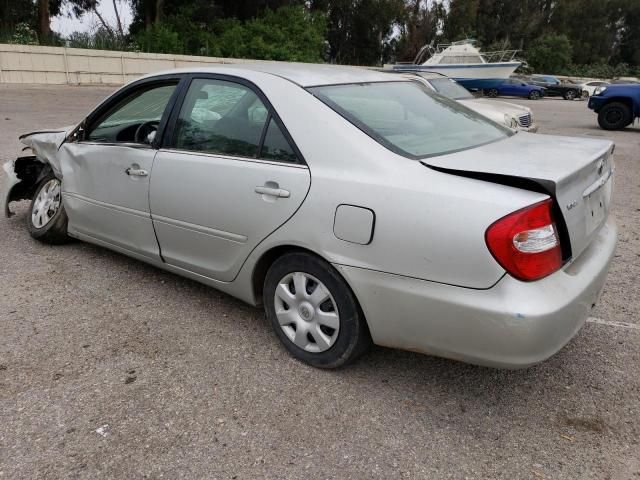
{"x": 47, "y": 219}
{"x": 570, "y": 95}
{"x": 492, "y": 92}
{"x": 534, "y": 95}
{"x": 615, "y": 116}
{"x": 313, "y": 311}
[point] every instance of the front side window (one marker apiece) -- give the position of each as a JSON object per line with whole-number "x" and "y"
{"x": 408, "y": 119}
{"x": 142, "y": 110}
{"x": 228, "y": 118}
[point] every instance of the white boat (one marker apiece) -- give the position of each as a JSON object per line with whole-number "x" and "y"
{"x": 463, "y": 62}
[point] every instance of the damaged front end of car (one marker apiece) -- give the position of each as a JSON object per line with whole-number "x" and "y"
{"x": 23, "y": 174}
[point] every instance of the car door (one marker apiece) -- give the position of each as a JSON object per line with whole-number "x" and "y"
{"x": 227, "y": 177}
{"x": 106, "y": 168}
{"x": 509, "y": 87}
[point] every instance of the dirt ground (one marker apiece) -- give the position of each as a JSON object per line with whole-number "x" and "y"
{"x": 109, "y": 367}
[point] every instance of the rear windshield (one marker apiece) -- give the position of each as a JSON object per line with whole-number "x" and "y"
{"x": 410, "y": 120}
{"x": 450, "y": 88}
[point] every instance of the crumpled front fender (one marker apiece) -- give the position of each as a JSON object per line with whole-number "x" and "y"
{"x": 46, "y": 144}
{"x": 23, "y": 174}
{"x": 10, "y": 181}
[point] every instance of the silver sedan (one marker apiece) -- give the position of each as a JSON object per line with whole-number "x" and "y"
{"x": 358, "y": 208}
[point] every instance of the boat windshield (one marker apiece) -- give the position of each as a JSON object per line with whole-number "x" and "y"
{"x": 409, "y": 119}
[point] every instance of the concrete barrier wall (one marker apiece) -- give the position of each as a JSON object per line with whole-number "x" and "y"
{"x": 76, "y": 66}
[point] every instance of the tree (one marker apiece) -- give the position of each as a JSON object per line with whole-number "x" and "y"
{"x": 550, "y": 53}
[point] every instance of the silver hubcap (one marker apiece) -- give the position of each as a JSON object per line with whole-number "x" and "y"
{"x": 46, "y": 204}
{"x": 307, "y": 312}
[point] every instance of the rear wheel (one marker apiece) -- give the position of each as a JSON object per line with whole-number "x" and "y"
{"x": 47, "y": 220}
{"x": 313, "y": 311}
{"x": 534, "y": 95}
{"x": 615, "y": 116}
{"x": 492, "y": 92}
{"x": 570, "y": 95}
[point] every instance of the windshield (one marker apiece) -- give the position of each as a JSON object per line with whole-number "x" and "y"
{"x": 449, "y": 88}
{"x": 410, "y": 120}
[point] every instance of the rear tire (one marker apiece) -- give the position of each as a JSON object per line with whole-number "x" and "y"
{"x": 534, "y": 95}
{"x": 570, "y": 95}
{"x": 320, "y": 321}
{"x": 615, "y": 116}
{"x": 492, "y": 92}
{"x": 47, "y": 219}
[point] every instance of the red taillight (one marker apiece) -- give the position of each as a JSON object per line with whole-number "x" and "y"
{"x": 526, "y": 242}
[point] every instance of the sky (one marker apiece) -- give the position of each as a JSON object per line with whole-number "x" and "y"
{"x": 65, "y": 25}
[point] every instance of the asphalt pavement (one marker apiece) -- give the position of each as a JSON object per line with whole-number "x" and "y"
{"x": 111, "y": 368}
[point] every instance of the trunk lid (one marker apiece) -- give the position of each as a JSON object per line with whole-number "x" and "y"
{"x": 576, "y": 172}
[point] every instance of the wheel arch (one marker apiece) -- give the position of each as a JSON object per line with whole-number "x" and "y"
{"x": 622, "y": 99}
{"x": 267, "y": 259}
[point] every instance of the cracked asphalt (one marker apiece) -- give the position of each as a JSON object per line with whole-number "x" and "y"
{"x": 112, "y": 368}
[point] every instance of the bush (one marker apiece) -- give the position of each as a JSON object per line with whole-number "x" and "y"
{"x": 289, "y": 34}
{"x": 160, "y": 38}
{"x": 24, "y": 35}
{"x": 550, "y": 54}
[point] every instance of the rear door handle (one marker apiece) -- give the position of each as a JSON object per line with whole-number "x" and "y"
{"x": 274, "y": 192}
{"x": 136, "y": 172}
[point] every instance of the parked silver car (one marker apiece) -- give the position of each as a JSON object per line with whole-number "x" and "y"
{"x": 355, "y": 206}
{"x": 511, "y": 115}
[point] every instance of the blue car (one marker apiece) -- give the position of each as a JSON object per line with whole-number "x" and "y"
{"x": 512, "y": 87}
{"x": 617, "y": 106}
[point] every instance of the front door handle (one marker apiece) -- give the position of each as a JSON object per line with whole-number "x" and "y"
{"x": 136, "y": 172}
{"x": 273, "y": 191}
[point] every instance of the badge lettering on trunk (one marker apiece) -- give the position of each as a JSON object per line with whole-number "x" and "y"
{"x": 572, "y": 204}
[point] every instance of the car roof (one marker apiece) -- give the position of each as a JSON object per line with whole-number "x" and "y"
{"x": 302, "y": 74}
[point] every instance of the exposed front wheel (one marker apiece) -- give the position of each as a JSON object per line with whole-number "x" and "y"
{"x": 615, "y": 116}
{"x": 313, "y": 311}
{"x": 47, "y": 220}
{"x": 492, "y": 92}
{"x": 534, "y": 95}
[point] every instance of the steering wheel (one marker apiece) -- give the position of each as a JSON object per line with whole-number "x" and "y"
{"x": 144, "y": 130}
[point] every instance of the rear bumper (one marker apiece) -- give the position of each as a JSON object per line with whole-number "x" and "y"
{"x": 514, "y": 324}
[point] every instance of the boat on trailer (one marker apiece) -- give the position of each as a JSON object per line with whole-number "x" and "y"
{"x": 465, "y": 63}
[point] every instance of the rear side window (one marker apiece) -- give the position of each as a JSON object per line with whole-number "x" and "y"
{"x": 228, "y": 118}
{"x": 410, "y": 120}
{"x": 276, "y": 146}
{"x": 220, "y": 117}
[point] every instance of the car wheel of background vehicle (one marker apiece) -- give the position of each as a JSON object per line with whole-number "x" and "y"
{"x": 313, "y": 311}
{"x": 585, "y": 94}
{"x": 47, "y": 220}
{"x": 570, "y": 95}
{"x": 492, "y": 92}
{"x": 615, "y": 116}
{"x": 534, "y": 95}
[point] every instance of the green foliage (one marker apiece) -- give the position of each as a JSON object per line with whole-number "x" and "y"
{"x": 550, "y": 53}
{"x": 101, "y": 39}
{"x": 24, "y": 34}
{"x": 600, "y": 38}
{"x": 290, "y": 34}
{"x": 160, "y": 38}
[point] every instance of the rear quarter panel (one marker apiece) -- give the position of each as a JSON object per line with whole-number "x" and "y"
{"x": 428, "y": 224}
